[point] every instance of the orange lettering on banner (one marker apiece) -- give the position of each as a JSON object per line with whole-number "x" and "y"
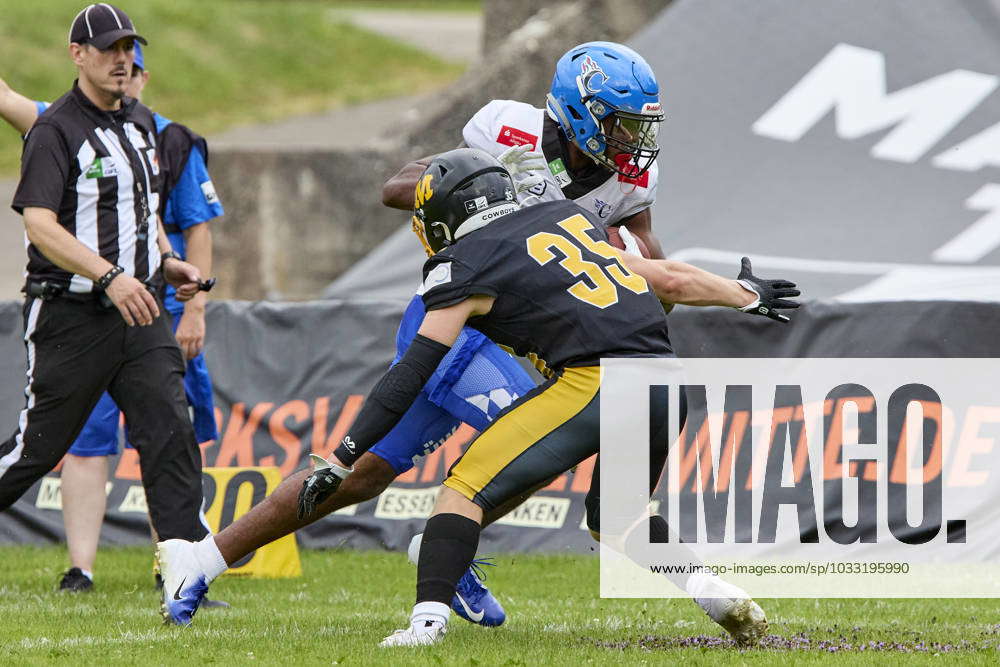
{"x": 237, "y": 443}
{"x": 322, "y": 444}
{"x": 448, "y": 452}
{"x": 703, "y": 453}
{"x": 204, "y": 447}
{"x": 832, "y": 468}
{"x": 128, "y": 465}
{"x": 558, "y": 484}
{"x": 778, "y": 416}
{"x": 686, "y": 456}
{"x": 583, "y": 475}
{"x": 971, "y": 444}
{"x": 299, "y": 411}
{"x": 408, "y": 477}
{"x": 801, "y": 456}
{"x": 932, "y": 468}
{"x": 737, "y": 429}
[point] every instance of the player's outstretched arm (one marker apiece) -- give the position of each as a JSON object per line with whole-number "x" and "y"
{"x": 16, "y": 109}
{"x": 390, "y": 398}
{"x": 678, "y": 282}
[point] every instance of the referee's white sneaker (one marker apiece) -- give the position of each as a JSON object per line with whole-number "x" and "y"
{"x": 184, "y": 581}
{"x": 420, "y": 633}
{"x": 730, "y": 607}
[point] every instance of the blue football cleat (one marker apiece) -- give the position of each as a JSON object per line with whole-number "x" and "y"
{"x": 184, "y": 584}
{"x": 473, "y": 600}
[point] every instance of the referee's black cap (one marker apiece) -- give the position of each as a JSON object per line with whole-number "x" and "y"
{"x": 102, "y": 25}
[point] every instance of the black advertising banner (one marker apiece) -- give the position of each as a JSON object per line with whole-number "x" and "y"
{"x": 290, "y": 378}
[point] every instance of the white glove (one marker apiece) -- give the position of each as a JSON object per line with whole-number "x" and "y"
{"x": 631, "y": 245}
{"x": 520, "y": 161}
{"x": 524, "y": 165}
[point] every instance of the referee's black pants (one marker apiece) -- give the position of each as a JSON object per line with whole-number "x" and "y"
{"x": 77, "y": 350}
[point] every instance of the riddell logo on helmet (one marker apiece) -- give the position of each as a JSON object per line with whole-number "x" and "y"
{"x": 652, "y": 107}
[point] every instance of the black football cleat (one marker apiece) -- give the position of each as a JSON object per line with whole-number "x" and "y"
{"x": 75, "y": 581}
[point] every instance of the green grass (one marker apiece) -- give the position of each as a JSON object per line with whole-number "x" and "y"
{"x": 347, "y": 601}
{"x": 222, "y": 63}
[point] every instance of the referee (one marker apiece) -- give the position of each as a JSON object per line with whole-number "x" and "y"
{"x": 88, "y": 194}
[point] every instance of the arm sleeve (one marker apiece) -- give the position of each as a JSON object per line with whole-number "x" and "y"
{"x": 391, "y": 398}
{"x": 193, "y": 199}
{"x": 45, "y": 170}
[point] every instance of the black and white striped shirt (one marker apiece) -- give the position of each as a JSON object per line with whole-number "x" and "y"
{"x": 98, "y": 170}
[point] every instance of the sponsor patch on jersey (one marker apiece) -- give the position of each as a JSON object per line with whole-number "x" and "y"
{"x": 102, "y": 167}
{"x": 511, "y": 136}
{"x": 559, "y": 172}
{"x": 208, "y": 189}
{"x": 477, "y": 204}
{"x": 439, "y": 275}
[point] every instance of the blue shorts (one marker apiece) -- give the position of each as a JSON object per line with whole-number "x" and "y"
{"x": 472, "y": 384}
{"x": 99, "y": 436}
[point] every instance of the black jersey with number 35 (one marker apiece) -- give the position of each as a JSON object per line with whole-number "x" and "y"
{"x": 562, "y": 297}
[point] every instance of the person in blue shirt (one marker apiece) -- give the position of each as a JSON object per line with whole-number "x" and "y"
{"x": 188, "y": 203}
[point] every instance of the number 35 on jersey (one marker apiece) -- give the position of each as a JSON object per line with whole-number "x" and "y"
{"x": 599, "y": 283}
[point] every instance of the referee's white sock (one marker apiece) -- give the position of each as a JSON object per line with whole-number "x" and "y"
{"x": 209, "y": 557}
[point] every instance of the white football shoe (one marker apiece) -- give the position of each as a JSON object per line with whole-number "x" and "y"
{"x": 420, "y": 633}
{"x": 184, "y": 582}
{"x": 732, "y": 608}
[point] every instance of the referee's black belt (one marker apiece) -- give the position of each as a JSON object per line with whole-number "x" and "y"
{"x": 47, "y": 290}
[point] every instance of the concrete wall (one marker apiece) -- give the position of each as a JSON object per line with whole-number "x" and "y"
{"x": 296, "y": 220}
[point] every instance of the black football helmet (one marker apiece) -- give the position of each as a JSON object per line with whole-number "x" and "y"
{"x": 459, "y": 192}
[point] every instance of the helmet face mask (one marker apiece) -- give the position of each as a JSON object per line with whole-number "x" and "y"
{"x": 459, "y": 192}
{"x": 630, "y": 143}
{"x": 606, "y": 100}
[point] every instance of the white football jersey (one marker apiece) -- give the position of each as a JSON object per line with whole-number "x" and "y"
{"x": 505, "y": 123}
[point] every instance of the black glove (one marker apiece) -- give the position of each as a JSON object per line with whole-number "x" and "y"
{"x": 320, "y": 485}
{"x": 771, "y": 294}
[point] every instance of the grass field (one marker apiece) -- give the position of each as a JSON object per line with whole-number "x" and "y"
{"x": 218, "y": 64}
{"x": 347, "y": 601}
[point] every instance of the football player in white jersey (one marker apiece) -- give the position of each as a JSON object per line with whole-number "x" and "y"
{"x": 594, "y": 142}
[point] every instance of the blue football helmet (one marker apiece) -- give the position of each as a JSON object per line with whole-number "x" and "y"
{"x": 604, "y": 95}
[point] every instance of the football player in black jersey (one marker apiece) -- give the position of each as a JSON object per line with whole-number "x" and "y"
{"x": 535, "y": 283}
